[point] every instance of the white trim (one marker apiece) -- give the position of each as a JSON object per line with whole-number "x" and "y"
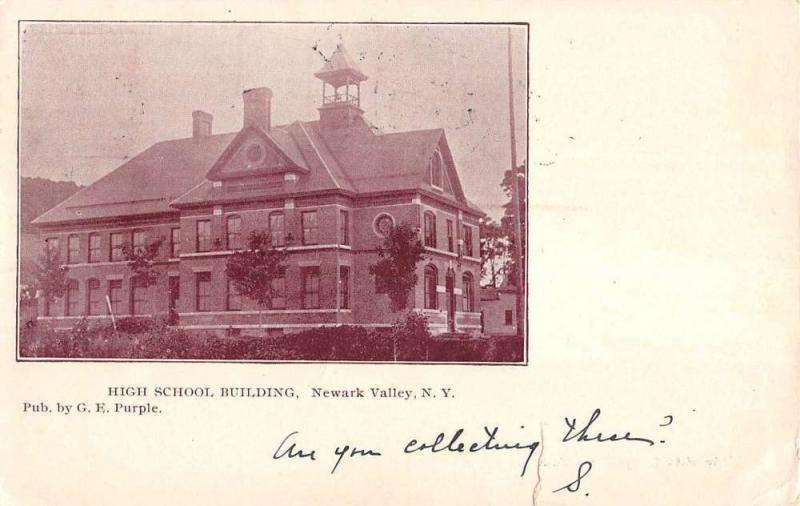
{"x": 266, "y": 311}
{"x": 457, "y": 291}
{"x": 375, "y": 223}
{"x": 412, "y": 203}
{"x": 454, "y": 255}
{"x": 467, "y": 327}
{"x": 196, "y": 216}
{"x": 203, "y": 268}
{"x": 432, "y": 311}
{"x": 284, "y": 326}
{"x": 441, "y": 251}
{"x": 114, "y": 277}
{"x": 324, "y": 164}
{"x": 93, "y": 317}
{"x": 441, "y": 289}
{"x": 308, "y": 263}
{"x": 319, "y": 246}
{"x": 467, "y": 313}
{"x": 282, "y": 207}
{"x": 94, "y": 264}
{"x": 289, "y": 248}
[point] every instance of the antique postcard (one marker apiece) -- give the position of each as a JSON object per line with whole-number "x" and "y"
{"x": 332, "y": 253}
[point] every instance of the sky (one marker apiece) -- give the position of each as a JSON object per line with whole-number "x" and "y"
{"x": 94, "y": 95}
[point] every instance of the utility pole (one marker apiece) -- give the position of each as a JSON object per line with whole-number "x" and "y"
{"x": 515, "y": 201}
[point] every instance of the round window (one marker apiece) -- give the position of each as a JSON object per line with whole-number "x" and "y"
{"x": 384, "y": 225}
{"x": 255, "y": 153}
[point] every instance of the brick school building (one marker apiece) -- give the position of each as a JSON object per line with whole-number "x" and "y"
{"x": 327, "y": 191}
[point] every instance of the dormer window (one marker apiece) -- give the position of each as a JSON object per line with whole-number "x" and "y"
{"x": 436, "y": 167}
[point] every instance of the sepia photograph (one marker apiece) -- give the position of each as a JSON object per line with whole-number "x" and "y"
{"x": 273, "y": 192}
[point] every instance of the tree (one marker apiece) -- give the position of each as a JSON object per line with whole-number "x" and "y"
{"x": 397, "y": 264}
{"x": 51, "y": 276}
{"x": 141, "y": 261}
{"x": 494, "y": 251}
{"x": 253, "y": 269}
{"x": 507, "y": 221}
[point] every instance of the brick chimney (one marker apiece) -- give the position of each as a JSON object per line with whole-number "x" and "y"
{"x": 257, "y": 108}
{"x": 201, "y": 124}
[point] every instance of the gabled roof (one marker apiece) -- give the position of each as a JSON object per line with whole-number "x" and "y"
{"x": 144, "y": 184}
{"x": 280, "y": 155}
{"x": 173, "y": 174}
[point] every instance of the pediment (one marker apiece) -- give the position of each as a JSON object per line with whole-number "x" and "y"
{"x": 252, "y": 152}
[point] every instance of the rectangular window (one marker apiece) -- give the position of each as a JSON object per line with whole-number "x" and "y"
{"x": 174, "y": 292}
{"x": 468, "y": 241}
{"x": 311, "y": 288}
{"x": 115, "y": 295}
{"x": 53, "y": 246}
{"x": 344, "y": 287}
{"x": 431, "y": 279}
{"x": 277, "y": 229}
{"x": 203, "y": 291}
{"x": 117, "y": 240}
{"x": 278, "y": 293}
{"x": 430, "y": 230}
{"x": 139, "y": 241}
{"x": 310, "y": 229}
{"x": 234, "y": 297}
{"x": 94, "y": 248}
{"x": 175, "y": 242}
{"x": 139, "y": 301}
{"x": 73, "y": 248}
{"x": 72, "y": 298}
{"x": 233, "y": 227}
{"x": 94, "y": 299}
{"x": 204, "y": 235}
{"x": 344, "y": 227}
{"x": 509, "y": 317}
{"x": 450, "y": 235}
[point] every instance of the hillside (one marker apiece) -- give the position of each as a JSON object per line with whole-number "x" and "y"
{"x": 37, "y": 195}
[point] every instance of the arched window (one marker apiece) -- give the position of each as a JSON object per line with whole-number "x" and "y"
{"x": 430, "y": 229}
{"x": 233, "y": 226}
{"x": 71, "y": 299}
{"x": 94, "y": 299}
{"x": 468, "y": 292}
{"x": 436, "y": 169}
{"x": 431, "y": 279}
{"x": 277, "y": 228}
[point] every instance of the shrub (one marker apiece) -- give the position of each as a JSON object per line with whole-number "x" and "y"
{"x": 411, "y": 337}
{"x": 151, "y": 338}
{"x": 136, "y": 325}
